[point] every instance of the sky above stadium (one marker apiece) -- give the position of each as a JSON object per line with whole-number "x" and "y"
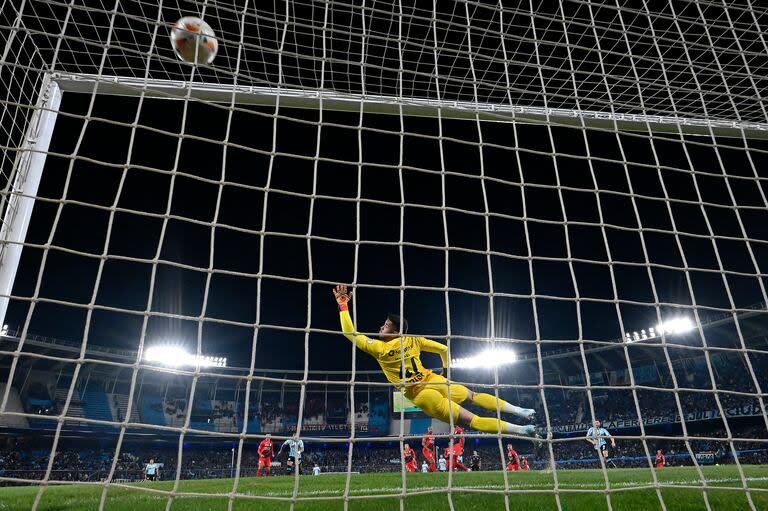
{"x": 517, "y": 184}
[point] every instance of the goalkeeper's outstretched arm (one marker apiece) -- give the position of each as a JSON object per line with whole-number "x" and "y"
{"x": 368, "y": 345}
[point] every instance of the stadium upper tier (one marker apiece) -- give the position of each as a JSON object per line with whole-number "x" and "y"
{"x": 277, "y": 402}
{"x": 561, "y": 356}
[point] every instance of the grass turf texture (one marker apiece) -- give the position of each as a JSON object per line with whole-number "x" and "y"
{"x": 470, "y": 491}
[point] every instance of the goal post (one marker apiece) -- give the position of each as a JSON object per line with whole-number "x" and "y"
{"x": 25, "y": 175}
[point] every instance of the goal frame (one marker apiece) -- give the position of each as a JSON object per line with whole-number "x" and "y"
{"x": 406, "y": 106}
{"x": 26, "y": 173}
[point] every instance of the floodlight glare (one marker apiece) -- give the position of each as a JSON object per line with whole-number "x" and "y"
{"x": 167, "y": 355}
{"x": 174, "y": 356}
{"x": 488, "y": 358}
{"x": 669, "y": 327}
{"x": 675, "y": 326}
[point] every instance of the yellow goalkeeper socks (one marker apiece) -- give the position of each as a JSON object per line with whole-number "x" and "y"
{"x": 489, "y": 402}
{"x": 491, "y": 425}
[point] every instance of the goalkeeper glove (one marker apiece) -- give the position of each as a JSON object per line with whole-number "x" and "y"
{"x": 342, "y": 296}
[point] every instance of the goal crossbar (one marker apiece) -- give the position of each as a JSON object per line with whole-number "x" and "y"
{"x": 410, "y": 106}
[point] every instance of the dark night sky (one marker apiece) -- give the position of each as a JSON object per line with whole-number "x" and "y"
{"x": 125, "y": 283}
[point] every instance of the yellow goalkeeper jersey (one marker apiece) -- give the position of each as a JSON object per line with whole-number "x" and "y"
{"x": 388, "y": 354}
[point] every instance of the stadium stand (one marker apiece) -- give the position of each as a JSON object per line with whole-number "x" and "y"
{"x": 276, "y": 412}
{"x": 14, "y": 406}
{"x": 202, "y": 415}
{"x": 119, "y": 407}
{"x": 152, "y": 410}
{"x": 96, "y": 405}
{"x": 38, "y": 398}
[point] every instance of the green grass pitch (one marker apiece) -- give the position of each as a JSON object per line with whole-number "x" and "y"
{"x": 532, "y": 491}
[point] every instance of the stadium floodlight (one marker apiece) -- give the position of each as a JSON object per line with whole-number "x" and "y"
{"x": 670, "y": 327}
{"x": 488, "y": 358}
{"x": 175, "y": 356}
{"x": 675, "y": 326}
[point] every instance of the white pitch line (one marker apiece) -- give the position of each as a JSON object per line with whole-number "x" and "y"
{"x": 395, "y": 489}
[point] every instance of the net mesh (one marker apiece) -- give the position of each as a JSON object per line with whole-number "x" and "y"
{"x": 219, "y": 222}
{"x": 298, "y": 47}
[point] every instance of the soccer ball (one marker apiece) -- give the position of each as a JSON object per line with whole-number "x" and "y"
{"x": 193, "y": 40}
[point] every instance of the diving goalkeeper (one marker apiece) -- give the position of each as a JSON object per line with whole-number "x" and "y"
{"x": 427, "y": 390}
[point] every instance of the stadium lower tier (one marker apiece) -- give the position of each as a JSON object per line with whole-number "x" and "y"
{"x": 94, "y": 467}
{"x": 90, "y": 458}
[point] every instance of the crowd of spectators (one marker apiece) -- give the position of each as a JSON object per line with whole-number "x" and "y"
{"x": 223, "y": 410}
{"x": 271, "y": 415}
{"x": 661, "y": 396}
{"x": 68, "y": 465}
{"x": 198, "y": 463}
{"x": 573, "y": 407}
{"x": 575, "y": 452}
{"x": 89, "y": 465}
{"x": 175, "y": 407}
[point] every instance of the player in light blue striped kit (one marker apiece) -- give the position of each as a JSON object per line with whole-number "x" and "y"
{"x": 596, "y": 436}
{"x": 295, "y": 448}
{"x": 152, "y": 471}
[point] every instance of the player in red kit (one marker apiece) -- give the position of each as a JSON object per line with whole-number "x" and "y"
{"x": 410, "y": 458}
{"x": 458, "y": 432}
{"x": 523, "y": 464}
{"x": 427, "y": 449}
{"x": 660, "y": 459}
{"x": 458, "y": 450}
{"x": 513, "y": 461}
{"x": 450, "y": 458}
{"x": 266, "y": 451}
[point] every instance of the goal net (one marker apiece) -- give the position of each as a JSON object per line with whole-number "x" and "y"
{"x": 570, "y": 195}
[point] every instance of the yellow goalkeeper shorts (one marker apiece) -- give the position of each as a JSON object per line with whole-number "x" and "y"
{"x": 432, "y": 397}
